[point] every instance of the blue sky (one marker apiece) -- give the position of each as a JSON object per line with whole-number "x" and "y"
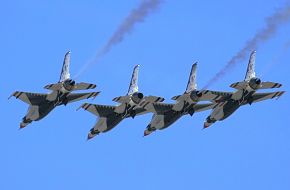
{"x": 249, "y": 150}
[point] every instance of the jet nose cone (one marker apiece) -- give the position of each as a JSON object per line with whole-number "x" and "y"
{"x": 90, "y": 136}
{"x": 206, "y": 125}
{"x": 146, "y": 133}
{"x": 21, "y": 126}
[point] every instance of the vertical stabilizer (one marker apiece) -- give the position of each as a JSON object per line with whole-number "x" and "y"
{"x": 191, "y": 85}
{"x": 65, "y": 68}
{"x": 251, "y": 67}
{"x": 134, "y": 81}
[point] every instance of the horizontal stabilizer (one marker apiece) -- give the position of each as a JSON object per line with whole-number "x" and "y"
{"x": 180, "y": 98}
{"x": 78, "y": 86}
{"x": 263, "y": 85}
{"x": 267, "y": 85}
{"x": 73, "y": 97}
{"x": 176, "y": 97}
{"x": 149, "y": 100}
{"x": 180, "y": 101}
{"x": 197, "y": 96}
{"x": 84, "y": 86}
{"x": 122, "y": 99}
{"x": 214, "y": 96}
{"x": 239, "y": 85}
{"x": 54, "y": 87}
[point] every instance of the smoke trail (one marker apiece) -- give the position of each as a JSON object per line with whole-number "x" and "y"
{"x": 135, "y": 16}
{"x": 280, "y": 17}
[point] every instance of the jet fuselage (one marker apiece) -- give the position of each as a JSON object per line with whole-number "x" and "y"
{"x": 228, "y": 107}
{"x": 111, "y": 120}
{"x": 162, "y": 121}
{"x": 39, "y": 111}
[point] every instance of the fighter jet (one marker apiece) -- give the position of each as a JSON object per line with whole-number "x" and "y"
{"x": 166, "y": 114}
{"x": 130, "y": 105}
{"x": 41, "y": 104}
{"x": 228, "y": 102}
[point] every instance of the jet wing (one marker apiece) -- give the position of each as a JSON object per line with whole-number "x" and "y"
{"x": 84, "y": 86}
{"x": 98, "y": 110}
{"x": 214, "y": 95}
{"x": 202, "y": 107}
{"x": 152, "y": 99}
{"x": 122, "y": 99}
{"x": 159, "y": 108}
{"x": 139, "y": 111}
{"x": 30, "y": 98}
{"x": 257, "y": 97}
{"x": 73, "y": 97}
{"x": 149, "y": 100}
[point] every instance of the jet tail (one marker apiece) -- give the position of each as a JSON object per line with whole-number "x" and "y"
{"x": 65, "y": 74}
{"x": 251, "y": 67}
{"x": 133, "y": 88}
{"x": 65, "y": 77}
{"x": 191, "y": 85}
{"x": 249, "y": 74}
{"x": 134, "y": 81}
